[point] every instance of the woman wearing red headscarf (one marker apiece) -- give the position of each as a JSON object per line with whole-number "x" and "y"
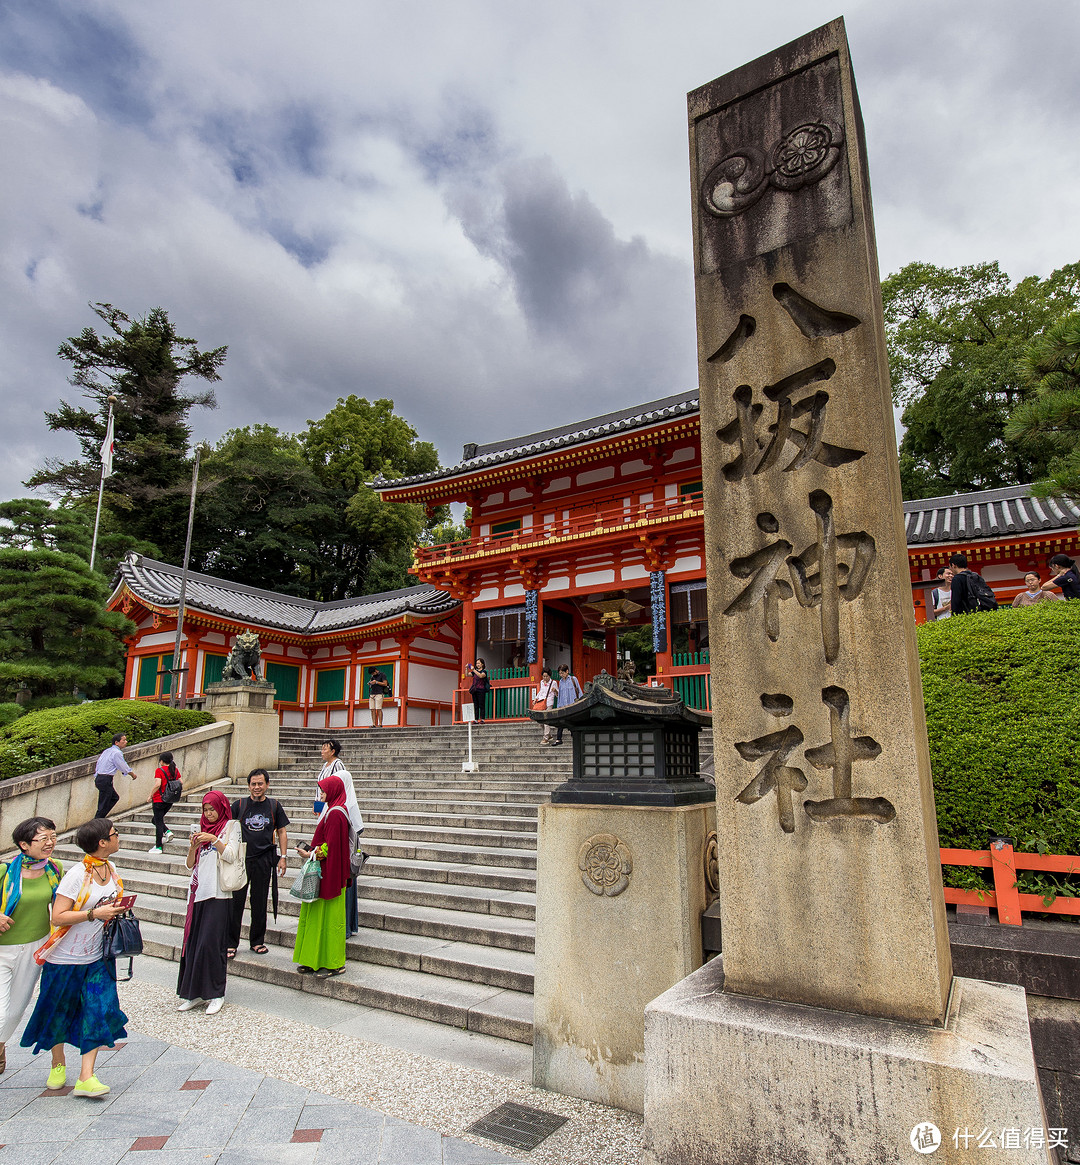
{"x": 203, "y": 964}
{"x": 320, "y": 937}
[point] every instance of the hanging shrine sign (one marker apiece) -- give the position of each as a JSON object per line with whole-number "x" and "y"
{"x": 830, "y": 882}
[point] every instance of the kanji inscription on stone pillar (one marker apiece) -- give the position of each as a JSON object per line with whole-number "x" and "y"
{"x": 830, "y": 880}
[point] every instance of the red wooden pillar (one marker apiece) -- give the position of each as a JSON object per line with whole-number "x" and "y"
{"x": 1004, "y": 868}
{"x": 191, "y": 660}
{"x": 405, "y": 640}
{"x": 129, "y": 670}
{"x": 354, "y": 685}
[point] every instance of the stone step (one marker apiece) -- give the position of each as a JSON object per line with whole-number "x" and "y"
{"x": 188, "y": 814}
{"x": 395, "y": 934}
{"x": 478, "y": 1007}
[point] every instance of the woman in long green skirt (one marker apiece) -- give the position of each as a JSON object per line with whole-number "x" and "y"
{"x": 320, "y": 937}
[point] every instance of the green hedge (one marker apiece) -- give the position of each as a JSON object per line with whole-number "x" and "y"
{"x": 53, "y": 736}
{"x": 1002, "y": 693}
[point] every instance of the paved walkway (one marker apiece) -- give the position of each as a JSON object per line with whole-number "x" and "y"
{"x": 252, "y": 1087}
{"x": 187, "y": 1108}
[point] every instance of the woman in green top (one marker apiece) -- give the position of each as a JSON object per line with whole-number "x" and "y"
{"x": 27, "y": 886}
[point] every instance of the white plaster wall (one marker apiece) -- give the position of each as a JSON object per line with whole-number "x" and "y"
{"x": 596, "y": 578}
{"x": 339, "y": 718}
{"x": 590, "y": 476}
{"x": 158, "y": 638}
{"x": 431, "y": 683}
{"x": 292, "y": 719}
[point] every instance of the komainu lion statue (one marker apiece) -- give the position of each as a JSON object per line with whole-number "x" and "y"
{"x": 243, "y": 660}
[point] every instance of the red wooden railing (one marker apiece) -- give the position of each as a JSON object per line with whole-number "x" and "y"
{"x": 1004, "y": 861}
{"x": 576, "y": 526}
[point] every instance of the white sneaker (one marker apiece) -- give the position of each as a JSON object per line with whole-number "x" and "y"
{"x": 214, "y": 1006}
{"x": 154, "y": 849}
{"x": 189, "y": 1004}
{"x": 168, "y": 835}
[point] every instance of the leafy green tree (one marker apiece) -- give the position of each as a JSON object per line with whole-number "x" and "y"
{"x": 143, "y": 362}
{"x": 55, "y": 634}
{"x": 260, "y": 511}
{"x": 354, "y": 443}
{"x": 1052, "y": 367}
{"x": 957, "y": 338}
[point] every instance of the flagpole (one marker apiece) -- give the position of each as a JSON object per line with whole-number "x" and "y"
{"x": 175, "y": 697}
{"x": 101, "y": 483}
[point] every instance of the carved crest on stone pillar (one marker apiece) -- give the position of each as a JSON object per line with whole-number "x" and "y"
{"x": 605, "y": 864}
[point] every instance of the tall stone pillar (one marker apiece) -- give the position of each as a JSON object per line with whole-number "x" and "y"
{"x": 834, "y": 1029}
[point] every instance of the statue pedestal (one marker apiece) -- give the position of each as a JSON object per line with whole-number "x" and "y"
{"x": 249, "y": 704}
{"x": 737, "y": 1079}
{"x": 619, "y": 896}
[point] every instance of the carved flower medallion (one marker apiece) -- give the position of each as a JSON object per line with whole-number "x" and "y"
{"x": 605, "y": 864}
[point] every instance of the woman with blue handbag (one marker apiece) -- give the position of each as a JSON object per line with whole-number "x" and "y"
{"x": 77, "y": 1003}
{"x": 27, "y": 886}
{"x": 320, "y": 935}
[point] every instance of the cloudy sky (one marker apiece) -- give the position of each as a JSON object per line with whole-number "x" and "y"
{"x": 478, "y": 208}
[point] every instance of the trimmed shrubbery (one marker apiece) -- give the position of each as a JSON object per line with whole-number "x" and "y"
{"x": 39, "y": 740}
{"x": 1002, "y": 693}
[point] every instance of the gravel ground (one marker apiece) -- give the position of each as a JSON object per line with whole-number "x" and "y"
{"x": 424, "y": 1091}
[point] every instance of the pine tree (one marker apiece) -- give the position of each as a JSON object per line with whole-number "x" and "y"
{"x": 142, "y": 362}
{"x": 55, "y": 634}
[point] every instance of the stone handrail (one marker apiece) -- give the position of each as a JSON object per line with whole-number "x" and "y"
{"x": 66, "y": 793}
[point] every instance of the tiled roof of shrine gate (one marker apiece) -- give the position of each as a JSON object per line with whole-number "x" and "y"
{"x": 159, "y": 583}
{"x": 990, "y": 514}
{"x": 580, "y": 432}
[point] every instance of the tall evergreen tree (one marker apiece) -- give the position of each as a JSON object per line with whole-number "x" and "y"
{"x": 55, "y": 634}
{"x": 143, "y": 362}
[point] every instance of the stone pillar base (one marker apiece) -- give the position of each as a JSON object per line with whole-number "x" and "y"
{"x": 603, "y": 953}
{"x": 740, "y": 1080}
{"x": 250, "y": 707}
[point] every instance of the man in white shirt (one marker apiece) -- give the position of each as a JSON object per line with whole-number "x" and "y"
{"x": 108, "y": 765}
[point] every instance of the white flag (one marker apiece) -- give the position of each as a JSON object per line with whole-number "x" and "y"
{"x": 107, "y": 449}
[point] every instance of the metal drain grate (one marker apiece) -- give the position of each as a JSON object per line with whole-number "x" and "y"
{"x": 517, "y": 1125}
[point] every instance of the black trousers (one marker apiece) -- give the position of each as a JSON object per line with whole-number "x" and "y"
{"x": 260, "y": 870}
{"x": 107, "y": 795}
{"x": 478, "y": 701}
{"x": 160, "y": 809}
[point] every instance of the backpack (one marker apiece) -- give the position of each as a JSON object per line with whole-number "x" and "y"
{"x": 357, "y": 857}
{"x": 981, "y": 593}
{"x": 172, "y": 791}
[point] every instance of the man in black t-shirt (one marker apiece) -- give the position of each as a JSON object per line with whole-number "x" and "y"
{"x": 262, "y": 823}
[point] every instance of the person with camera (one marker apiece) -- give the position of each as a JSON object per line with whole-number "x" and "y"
{"x": 77, "y": 1003}
{"x": 27, "y": 886}
{"x": 479, "y": 686}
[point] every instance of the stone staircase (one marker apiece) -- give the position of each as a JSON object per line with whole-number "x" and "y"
{"x": 447, "y": 899}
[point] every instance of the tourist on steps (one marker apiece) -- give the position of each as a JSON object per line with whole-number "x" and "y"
{"x": 334, "y": 766}
{"x": 203, "y": 964}
{"x": 262, "y": 827}
{"x": 569, "y": 691}
{"x": 479, "y": 686}
{"x": 108, "y": 765}
{"x": 320, "y": 936}
{"x": 163, "y": 774}
{"x": 378, "y": 690}
{"x": 543, "y": 698}
{"x": 27, "y": 885}
{"x": 77, "y": 1002}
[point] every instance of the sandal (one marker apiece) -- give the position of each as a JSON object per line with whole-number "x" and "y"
{"x": 325, "y": 974}
{"x": 302, "y": 970}
{"x": 231, "y": 953}
{"x": 261, "y": 949}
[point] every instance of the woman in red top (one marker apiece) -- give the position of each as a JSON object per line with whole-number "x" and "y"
{"x": 320, "y": 936}
{"x": 166, "y": 771}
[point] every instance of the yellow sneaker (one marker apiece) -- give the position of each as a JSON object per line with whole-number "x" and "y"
{"x": 91, "y": 1087}
{"x": 57, "y": 1077}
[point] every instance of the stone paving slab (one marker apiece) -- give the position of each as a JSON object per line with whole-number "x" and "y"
{"x": 250, "y": 1088}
